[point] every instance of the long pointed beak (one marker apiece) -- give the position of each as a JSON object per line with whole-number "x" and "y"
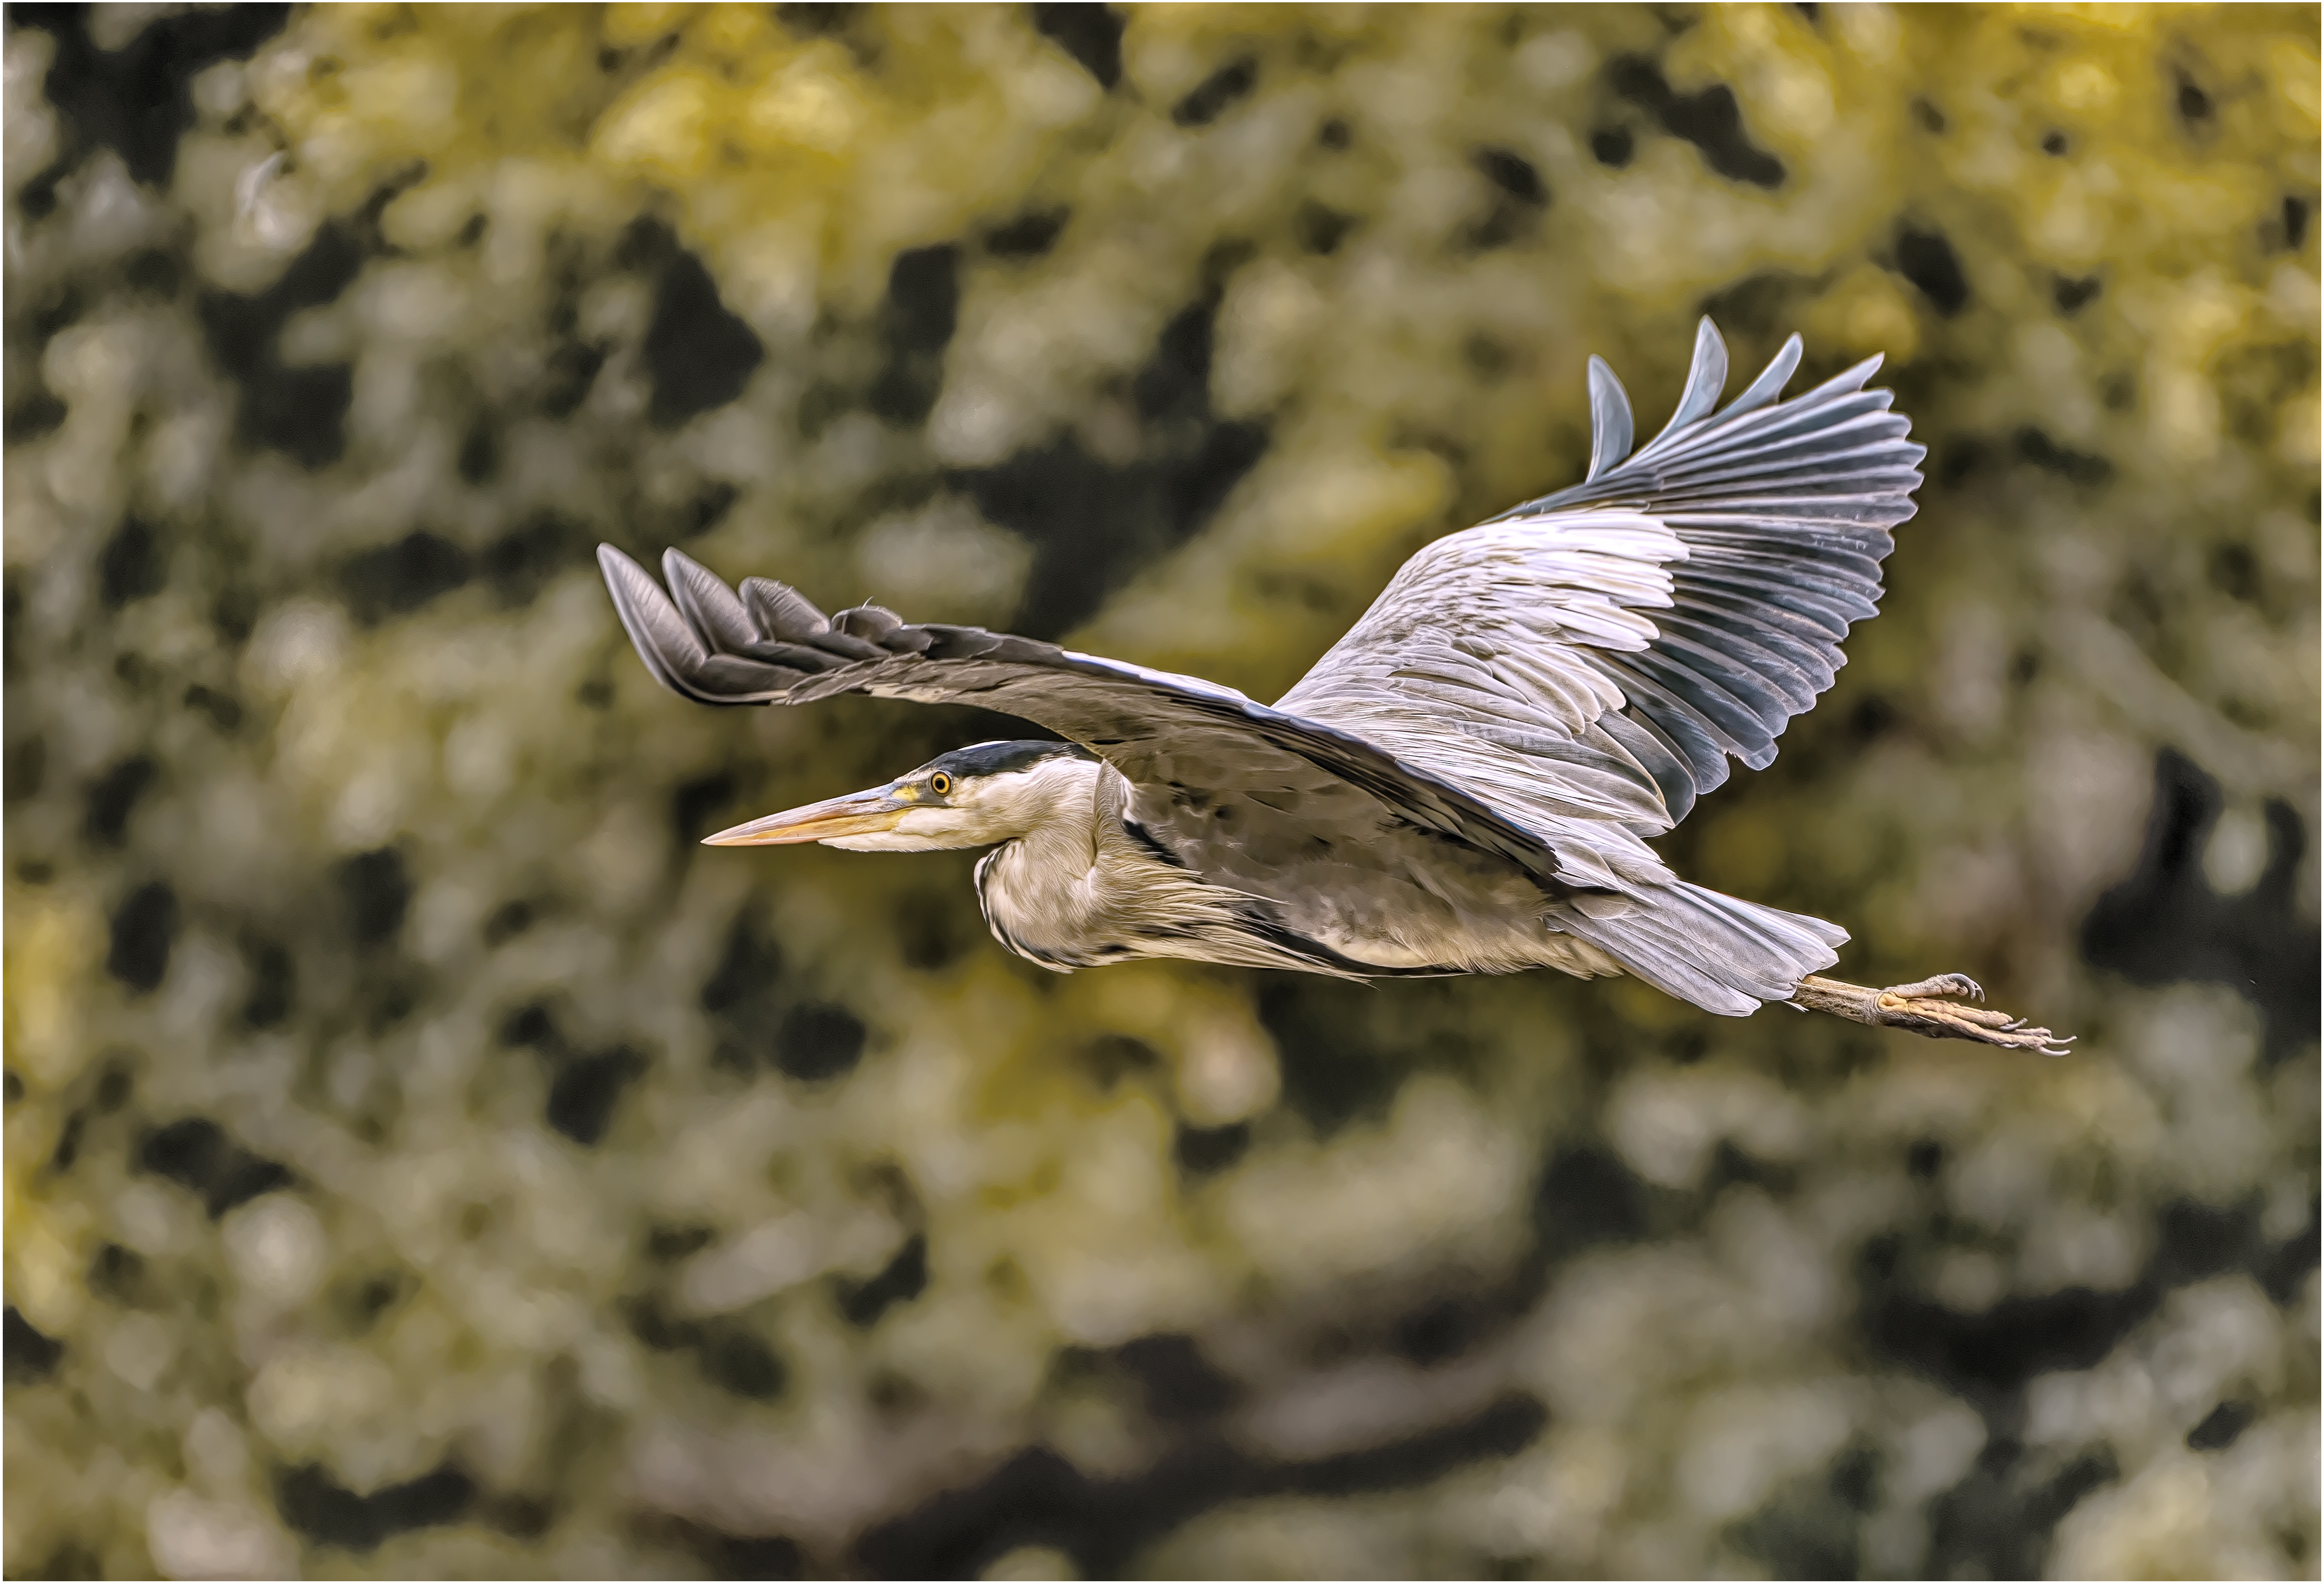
{"x": 859, "y": 814}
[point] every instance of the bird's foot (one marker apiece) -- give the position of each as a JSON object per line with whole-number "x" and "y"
{"x": 1929, "y": 1006}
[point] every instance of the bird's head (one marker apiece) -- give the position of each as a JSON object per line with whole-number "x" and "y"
{"x": 970, "y": 798}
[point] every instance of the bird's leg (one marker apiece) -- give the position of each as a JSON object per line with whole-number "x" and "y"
{"x": 1917, "y": 1007}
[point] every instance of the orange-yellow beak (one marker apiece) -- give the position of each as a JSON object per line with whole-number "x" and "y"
{"x": 859, "y": 814}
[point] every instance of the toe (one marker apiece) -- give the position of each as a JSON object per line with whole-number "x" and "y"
{"x": 1943, "y": 984}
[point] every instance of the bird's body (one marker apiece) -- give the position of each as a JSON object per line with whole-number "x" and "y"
{"x": 1465, "y": 783}
{"x": 1095, "y": 886}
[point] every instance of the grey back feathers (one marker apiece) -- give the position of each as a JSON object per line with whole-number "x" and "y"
{"x": 1541, "y": 691}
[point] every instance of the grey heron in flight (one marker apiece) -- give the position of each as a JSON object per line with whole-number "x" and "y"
{"x": 1465, "y": 783}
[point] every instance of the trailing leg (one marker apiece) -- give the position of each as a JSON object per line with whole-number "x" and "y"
{"x": 1918, "y": 1008}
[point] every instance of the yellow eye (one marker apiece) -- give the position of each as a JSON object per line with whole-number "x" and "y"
{"x": 940, "y": 784}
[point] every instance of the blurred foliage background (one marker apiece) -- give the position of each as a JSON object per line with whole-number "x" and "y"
{"x": 422, "y": 1159}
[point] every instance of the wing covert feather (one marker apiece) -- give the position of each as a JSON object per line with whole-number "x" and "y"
{"x": 1673, "y": 611}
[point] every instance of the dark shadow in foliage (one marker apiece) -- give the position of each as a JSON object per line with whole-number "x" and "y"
{"x": 743, "y": 994}
{"x": 2235, "y": 571}
{"x": 1029, "y": 236}
{"x": 31, "y": 416}
{"x": 323, "y": 1511}
{"x": 480, "y": 455}
{"x": 734, "y": 1359}
{"x": 1203, "y": 1152}
{"x": 509, "y": 920}
{"x": 1928, "y": 260}
{"x": 196, "y": 1154}
{"x": 585, "y": 1090}
{"x": 1585, "y": 1197}
{"x": 1208, "y": 99}
{"x": 669, "y": 1245}
{"x": 376, "y": 887}
{"x": 360, "y": 1302}
{"x": 904, "y": 1278}
{"x": 396, "y": 579}
{"x": 2070, "y": 293}
{"x": 1038, "y": 1498}
{"x": 698, "y": 354}
{"x": 570, "y": 370}
{"x": 1990, "y": 1356}
{"x": 224, "y": 709}
{"x": 299, "y": 410}
{"x": 274, "y": 982}
{"x": 2194, "y": 106}
{"x": 137, "y": 100}
{"x": 143, "y": 928}
{"x": 521, "y": 561}
{"x": 1519, "y": 196}
{"x": 704, "y": 511}
{"x": 116, "y": 1083}
{"x": 657, "y": 1328}
{"x": 2078, "y": 467}
{"x": 1091, "y": 34}
{"x": 1319, "y": 229}
{"x": 132, "y": 565}
{"x": 63, "y": 308}
{"x": 154, "y": 272}
{"x": 1334, "y": 1070}
{"x": 1710, "y": 119}
{"x": 736, "y": 1556}
{"x": 814, "y": 20}
{"x": 729, "y": 1355}
{"x": 1111, "y": 1057}
{"x": 693, "y": 802}
{"x": 751, "y": 963}
{"x": 117, "y": 1275}
{"x": 2164, "y": 924}
{"x": 1177, "y": 1383}
{"x": 113, "y": 797}
{"x": 1445, "y": 1328}
{"x": 1997, "y": 1523}
{"x": 917, "y": 320}
{"x": 30, "y": 1356}
{"x": 12, "y": 612}
{"x": 1812, "y": 1527}
{"x": 1093, "y": 523}
{"x": 69, "y": 1137}
{"x": 931, "y": 930}
{"x": 2221, "y": 1427}
{"x": 25, "y": 769}
{"x": 818, "y": 1041}
{"x": 1612, "y": 146}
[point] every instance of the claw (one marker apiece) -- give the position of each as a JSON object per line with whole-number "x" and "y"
{"x": 1943, "y": 984}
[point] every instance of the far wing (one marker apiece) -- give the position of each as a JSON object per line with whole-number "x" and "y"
{"x": 1613, "y": 645}
{"x": 1189, "y": 746}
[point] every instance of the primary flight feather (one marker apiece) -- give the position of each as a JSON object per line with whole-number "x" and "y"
{"x": 1465, "y": 783}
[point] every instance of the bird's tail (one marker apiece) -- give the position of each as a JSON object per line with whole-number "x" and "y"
{"x": 1721, "y": 952}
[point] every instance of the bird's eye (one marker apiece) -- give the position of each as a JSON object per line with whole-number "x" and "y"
{"x": 940, "y": 784}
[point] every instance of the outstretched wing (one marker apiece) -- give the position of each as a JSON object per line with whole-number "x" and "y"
{"x": 1188, "y": 746}
{"x": 1616, "y": 643}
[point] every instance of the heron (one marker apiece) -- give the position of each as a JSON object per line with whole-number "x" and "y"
{"x": 1467, "y": 781}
